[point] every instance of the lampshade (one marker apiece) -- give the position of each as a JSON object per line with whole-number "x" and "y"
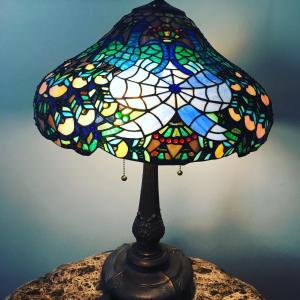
{"x": 153, "y": 90}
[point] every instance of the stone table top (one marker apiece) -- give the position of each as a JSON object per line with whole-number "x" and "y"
{"x": 80, "y": 280}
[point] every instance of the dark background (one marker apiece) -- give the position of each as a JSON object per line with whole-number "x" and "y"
{"x": 56, "y": 206}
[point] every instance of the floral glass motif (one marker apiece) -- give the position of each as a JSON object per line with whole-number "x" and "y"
{"x": 153, "y": 90}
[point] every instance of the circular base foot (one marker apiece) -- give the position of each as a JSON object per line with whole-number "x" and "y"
{"x": 123, "y": 280}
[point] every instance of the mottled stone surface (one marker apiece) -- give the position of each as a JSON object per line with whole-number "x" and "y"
{"x": 79, "y": 280}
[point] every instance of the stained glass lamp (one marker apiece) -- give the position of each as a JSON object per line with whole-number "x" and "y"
{"x": 152, "y": 90}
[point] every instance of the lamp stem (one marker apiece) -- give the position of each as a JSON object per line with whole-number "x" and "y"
{"x": 148, "y": 227}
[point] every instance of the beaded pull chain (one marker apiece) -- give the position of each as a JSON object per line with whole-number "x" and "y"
{"x": 180, "y": 173}
{"x": 124, "y": 177}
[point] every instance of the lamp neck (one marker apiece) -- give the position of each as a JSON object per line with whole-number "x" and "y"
{"x": 148, "y": 227}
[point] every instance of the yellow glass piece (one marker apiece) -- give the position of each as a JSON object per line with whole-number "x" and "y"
{"x": 176, "y": 132}
{"x": 79, "y": 83}
{"x": 236, "y": 117}
{"x": 167, "y": 33}
{"x": 265, "y": 99}
{"x": 168, "y": 156}
{"x": 126, "y": 111}
{"x": 239, "y": 75}
{"x": 92, "y": 92}
{"x": 58, "y": 90}
{"x": 148, "y": 139}
{"x": 251, "y": 91}
{"x": 174, "y": 149}
{"x": 89, "y": 67}
{"x": 43, "y": 88}
{"x": 109, "y": 109}
{"x": 100, "y": 80}
{"x": 122, "y": 150}
{"x": 136, "y": 114}
{"x": 147, "y": 156}
{"x": 118, "y": 122}
{"x": 104, "y": 126}
{"x": 97, "y": 104}
{"x": 250, "y": 125}
{"x": 260, "y": 131}
{"x": 90, "y": 137}
{"x": 219, "y": 153}
{"x": 67, "y": 127}
{"x": 236, "y": 87}
{"x": 87, "y": 119}
{"x": 162, "y": 131}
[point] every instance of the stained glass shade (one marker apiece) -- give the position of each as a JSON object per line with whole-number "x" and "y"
{"x": 153, "y": 90}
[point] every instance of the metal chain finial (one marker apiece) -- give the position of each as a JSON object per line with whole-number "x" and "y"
{"x": 124, "y": 177}
{"x": 180, "y": 173}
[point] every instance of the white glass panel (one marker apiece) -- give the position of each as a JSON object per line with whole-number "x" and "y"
{"x": 145, "y": 63}
{"x": 212, "y": 107}
{"x": 130, "y": 134}
{"x": 189, "y": 91}
{"x": 172, "y": 100}
{"x": 178, "y": 80}
{"x": 164, "y": 113}
{"x": 136, "y": 103}
{"x": 151, "y": 101}
{"x": 117, "y": 87}
{"x": 178, "y": 73}
{"x": 200, "y": 93}
{"x": 129, "y": 72}
{"x": 216, "y": 137}
{"x": 133, "y": 90}
{"x": 212, "y": 94}
{"x": 186, "y": 97}
{"x": 148, "y": 123}
{"x": 131, "y": 127}
{"x": 122, "y": 102}
{"x": 140, "y": 76}
{"x": 199, "y": 104}
{"x": 152, "y": 80}
{"x": 151, "y": 66}
{"x": 164, "y": 96}
{"x": 147, "y": 90}
{"x": 225, "y": 93}
{"x": 180, "y": 101}
{"x": 218, "y": 129}
{"x": 160, "y": 90}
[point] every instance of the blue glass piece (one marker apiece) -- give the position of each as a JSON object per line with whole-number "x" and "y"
{"x": 202, "y": 125}
{"x": 195, "y": 41}
{"x": 195, "y": 83}
{"x": 175, "y": 88}
{"x": 188, "y": 114}
{"x": 212, "y": 77}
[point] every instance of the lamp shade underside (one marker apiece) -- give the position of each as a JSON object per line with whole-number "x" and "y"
{"x": 153, "y": 90}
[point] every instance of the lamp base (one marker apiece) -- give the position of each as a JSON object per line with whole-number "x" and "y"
{"x": 127, "y": 277}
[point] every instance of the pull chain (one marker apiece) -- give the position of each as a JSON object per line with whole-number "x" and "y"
{"x": 124, "y": 177}
{"x": 180, "y": 173}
